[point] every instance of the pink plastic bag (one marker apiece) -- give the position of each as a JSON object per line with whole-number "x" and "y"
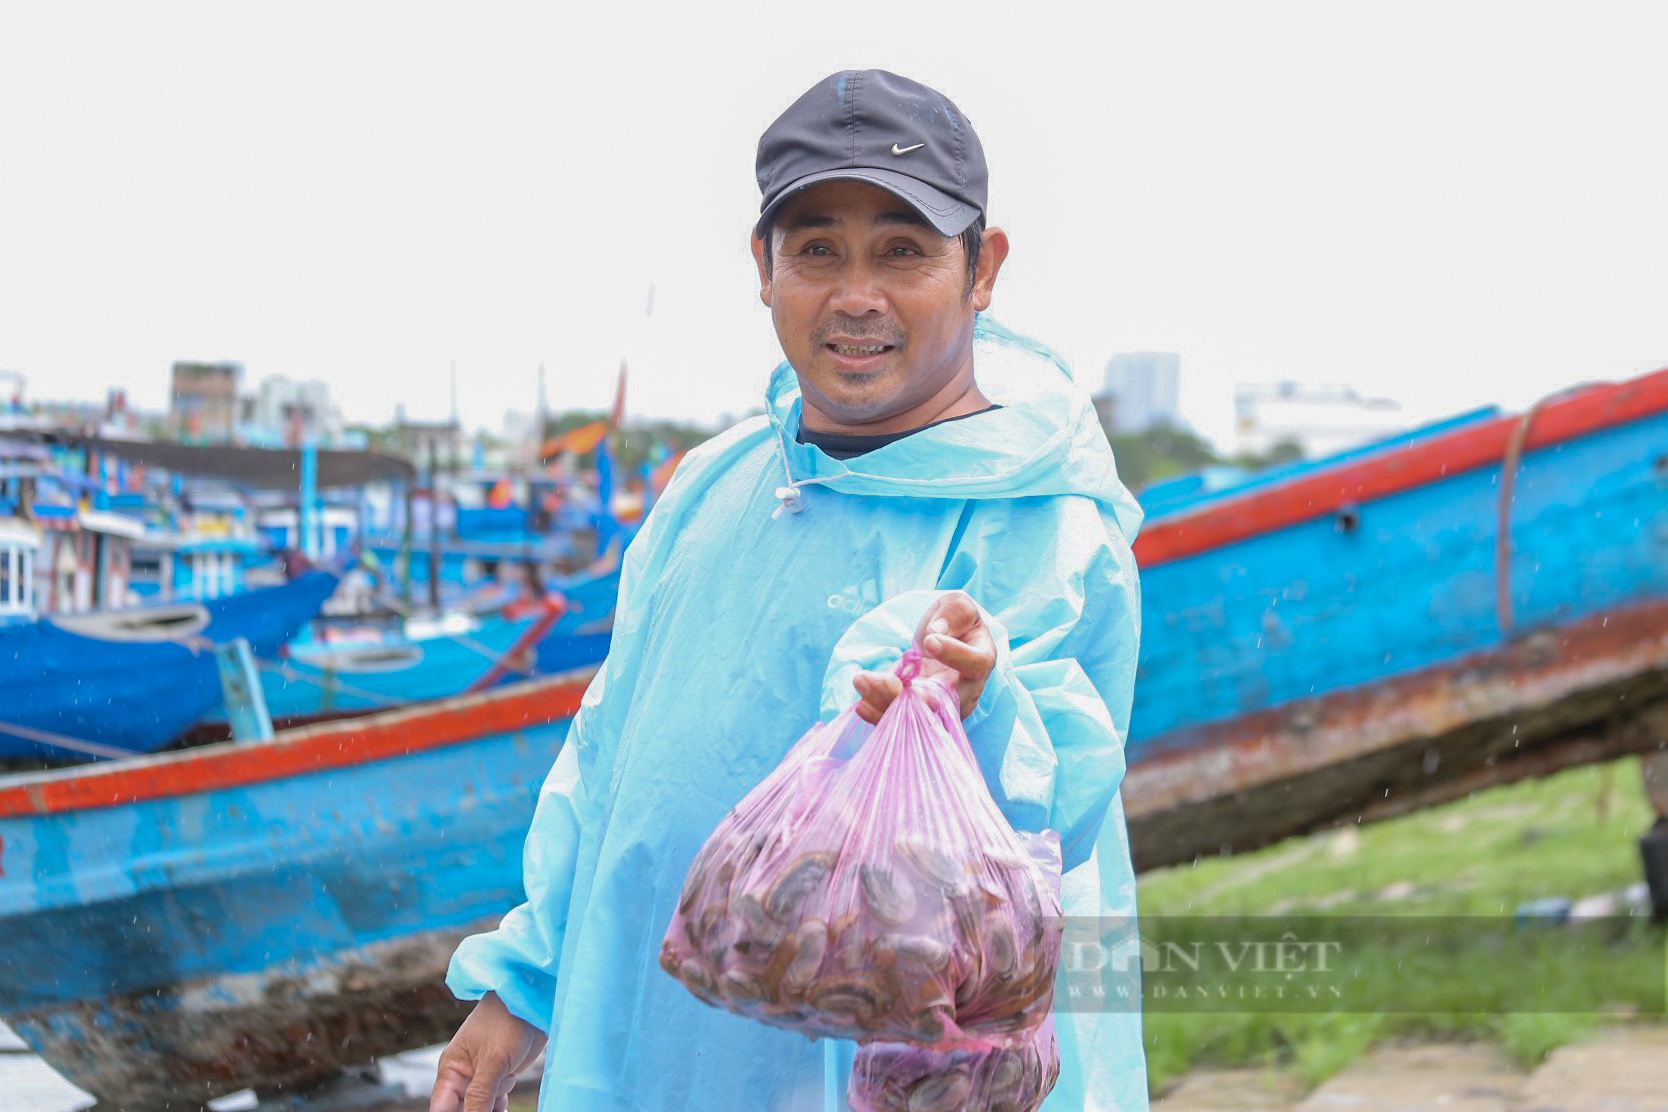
{"x": 1010, "y": 1074}
{"x": 869, "y": 888}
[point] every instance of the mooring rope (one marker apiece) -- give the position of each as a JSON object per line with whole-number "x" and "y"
{"x": 60, "y": 741}
{"x": 549, "y": 599}
{"x": 1503, "y": 511}
{"x": 329, "y": 682}
{"x": 289, "y": 673}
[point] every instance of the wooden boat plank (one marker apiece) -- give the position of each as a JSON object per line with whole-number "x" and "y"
{"x": 1590, "y": 690}
{"x": 312, "y": 929}
{"x": 215, "y": 1034}
{"x": 334, "y": 745}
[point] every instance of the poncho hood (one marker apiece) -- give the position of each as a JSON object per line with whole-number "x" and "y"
{"x": 1045, "y": 440}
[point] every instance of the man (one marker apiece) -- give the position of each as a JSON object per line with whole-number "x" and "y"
{"x": 919, "y": 474}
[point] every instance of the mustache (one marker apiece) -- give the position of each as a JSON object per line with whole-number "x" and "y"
{"x": 879, "y": 331}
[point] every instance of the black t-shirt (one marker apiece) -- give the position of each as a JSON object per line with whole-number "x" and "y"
{"x": 842, "y": 446}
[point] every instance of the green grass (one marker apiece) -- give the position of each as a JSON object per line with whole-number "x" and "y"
{"x": 1570, "y": 835}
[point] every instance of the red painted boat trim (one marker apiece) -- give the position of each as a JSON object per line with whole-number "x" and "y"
{"x": 1264, "y": 511}
{"x": 551, "y": 610}
{"x": 336, "y": 745}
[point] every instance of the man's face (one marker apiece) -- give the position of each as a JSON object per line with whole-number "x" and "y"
{"x": 871, "y": 305}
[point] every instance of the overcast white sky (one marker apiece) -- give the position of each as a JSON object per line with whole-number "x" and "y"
{"x": 1448, "y": 203}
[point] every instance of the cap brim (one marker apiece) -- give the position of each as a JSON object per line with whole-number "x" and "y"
{"x": 947, "y": 215}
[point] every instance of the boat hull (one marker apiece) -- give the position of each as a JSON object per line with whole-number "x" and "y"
{"x": 142, "y": 1052}
{"x": 136, "y": 695}
{"x": 1586, "y": 691}
{"x": 261, "y": 914}
{"x": 1362, "y": 638}
{"x": 321, "y": 682}
{"x": 1370, "y": 587}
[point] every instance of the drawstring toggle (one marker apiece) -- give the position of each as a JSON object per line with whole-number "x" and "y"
{"x": 791, "y": 501}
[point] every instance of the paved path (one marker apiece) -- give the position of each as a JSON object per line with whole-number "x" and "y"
{"x": 1468, "y": 1077}
{"x": 1618, "y": 1070}
{"x": 1232, "y": 1091}
{"x": 1625, "y": 1071}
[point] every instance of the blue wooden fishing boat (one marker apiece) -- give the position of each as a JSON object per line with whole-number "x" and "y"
{"x": 1348, "y": 639}
{"x": 431, "y": 658}
{"x": 1466, "y": 605}
{"x": 322, "y": 678}
{"x": 468, "y": 563}
{"x": 129, "y": 681}
{"x": 263, "y": 913}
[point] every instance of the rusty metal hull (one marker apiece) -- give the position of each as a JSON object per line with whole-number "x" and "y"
{"x": 1584, "y": 692}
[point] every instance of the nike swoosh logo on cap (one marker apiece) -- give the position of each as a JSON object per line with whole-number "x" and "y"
{"x": 905, "y": 150}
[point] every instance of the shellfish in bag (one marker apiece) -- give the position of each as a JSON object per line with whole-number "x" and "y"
{"x": 1011, "y": 1074}
{"x": 870, "y": 889}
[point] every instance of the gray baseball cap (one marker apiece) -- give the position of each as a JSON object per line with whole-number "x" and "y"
{"x": 876, "y": 127}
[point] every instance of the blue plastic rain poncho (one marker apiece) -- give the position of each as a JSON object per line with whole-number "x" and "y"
{"x": 764, "y": 579}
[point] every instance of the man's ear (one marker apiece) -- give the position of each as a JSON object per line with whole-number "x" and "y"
{"x": 759, "y": 248}
{"x": 993, "y": 251}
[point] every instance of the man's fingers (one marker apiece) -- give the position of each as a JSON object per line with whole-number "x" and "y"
{"x": 878, "y": 690}
{"x": 483, "y": 1095}
{"x": 478, "y": 1067}
{"x": 973, "y": 661}
{"x": 446, "y": 1097}
{"x": 955, "y": 614}
{"x": 451, "y": 1085}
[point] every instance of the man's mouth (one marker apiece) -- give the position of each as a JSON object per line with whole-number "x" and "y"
{"x": 859, "y": 350}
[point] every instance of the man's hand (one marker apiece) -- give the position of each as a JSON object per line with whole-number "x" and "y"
{"x": 478, "y": 1067}
{"x": 955, "y": 645}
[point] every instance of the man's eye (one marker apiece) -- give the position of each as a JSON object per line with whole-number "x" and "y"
{"x": 817, "y": 250}
{"x": 900, "y": 251}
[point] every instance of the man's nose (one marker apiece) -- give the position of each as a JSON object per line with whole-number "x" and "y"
{"x": 859, "y": 289}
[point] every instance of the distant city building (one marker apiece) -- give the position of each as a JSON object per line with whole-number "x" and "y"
{"x": 202, "y": 401}
{"x": 1142, "y": 390}
{"x": 283, "y": 412}
{"x": 421, "y": 441}
{"x": 11, "y": 392}
{"x": 114, "y": 417}
{"x": 1322, "y": 419}
{"x": 121, "y": 420}
{"x": 79, "y": 416}
{"x": 523, "y": 433}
